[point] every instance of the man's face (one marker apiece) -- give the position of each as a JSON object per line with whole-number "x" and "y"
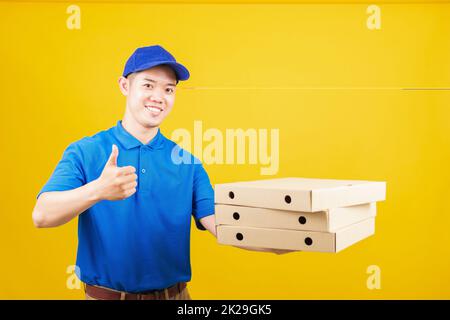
{"x": 150, "y": 94}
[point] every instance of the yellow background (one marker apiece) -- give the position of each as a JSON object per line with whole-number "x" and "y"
{"x": 314, "y": 71}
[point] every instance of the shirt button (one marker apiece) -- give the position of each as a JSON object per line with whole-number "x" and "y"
{"x": 143, "y": 170}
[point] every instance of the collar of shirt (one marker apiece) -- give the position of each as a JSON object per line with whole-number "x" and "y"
{"x": 128, "y": 141}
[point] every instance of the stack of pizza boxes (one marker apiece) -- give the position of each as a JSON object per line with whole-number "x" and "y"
{"x": 297, "y": 213}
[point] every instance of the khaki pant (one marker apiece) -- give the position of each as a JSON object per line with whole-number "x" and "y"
{"x": 183, "y": 295}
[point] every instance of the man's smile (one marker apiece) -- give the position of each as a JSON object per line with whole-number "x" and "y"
{"x": 155, "y": 110}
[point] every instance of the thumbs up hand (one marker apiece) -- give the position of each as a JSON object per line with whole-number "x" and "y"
{"x": 116, "y": 183}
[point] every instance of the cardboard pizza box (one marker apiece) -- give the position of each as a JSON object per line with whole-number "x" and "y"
{"x": 300, "y": 194}
{"x": 294, "y": 239}
{"x": 325, "y": 221}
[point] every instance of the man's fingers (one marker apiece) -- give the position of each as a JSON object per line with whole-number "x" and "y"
{"x": 112, "y": 160}
{"x": 130, "y": 185}
{"x": 127, "y": 170}
{"x": 129, "y": 192}
{"x": 127, "y": 179}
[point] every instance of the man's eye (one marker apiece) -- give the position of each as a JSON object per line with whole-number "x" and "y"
{"x": 169, "y": 90}
{"x": 148, "y": 85}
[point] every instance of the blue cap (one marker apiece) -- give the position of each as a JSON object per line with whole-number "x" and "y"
{"x": 151, "y": 56}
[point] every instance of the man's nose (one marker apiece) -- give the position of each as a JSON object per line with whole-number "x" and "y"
{"x": 156, "y": 97}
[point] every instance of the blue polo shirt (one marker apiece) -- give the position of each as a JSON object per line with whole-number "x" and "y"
{"x": 140, "y": 243}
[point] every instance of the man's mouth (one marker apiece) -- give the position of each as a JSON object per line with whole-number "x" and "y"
{"x": 154, "y": 109}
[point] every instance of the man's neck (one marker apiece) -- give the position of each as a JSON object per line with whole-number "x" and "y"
{"x": 143, "y": 134}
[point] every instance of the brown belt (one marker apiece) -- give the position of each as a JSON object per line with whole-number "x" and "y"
{"x": 101, "y": 293}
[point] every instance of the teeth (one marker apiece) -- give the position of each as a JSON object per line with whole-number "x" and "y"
{"x": 153, "y": 109}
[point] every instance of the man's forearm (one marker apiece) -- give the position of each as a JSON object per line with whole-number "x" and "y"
{"x": 209, "y": 223}
{"x": 59, "y": 207}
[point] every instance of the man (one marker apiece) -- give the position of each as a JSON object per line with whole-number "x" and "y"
{"x": 133, "y": 201}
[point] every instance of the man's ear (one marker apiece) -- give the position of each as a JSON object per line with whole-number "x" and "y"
{"x": 124, "y": 85}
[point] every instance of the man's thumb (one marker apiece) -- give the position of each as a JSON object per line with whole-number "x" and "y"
{"x": 112, "y": 161}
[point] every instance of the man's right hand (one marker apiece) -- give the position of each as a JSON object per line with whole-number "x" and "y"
{"x": 116, "y": 183}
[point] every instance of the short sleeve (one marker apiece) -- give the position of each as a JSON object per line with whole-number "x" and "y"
{"x": 68, "y": 174}
{"x": 203, "y": 195}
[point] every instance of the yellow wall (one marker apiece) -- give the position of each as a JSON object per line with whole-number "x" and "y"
{"x": 314, "y": 71}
